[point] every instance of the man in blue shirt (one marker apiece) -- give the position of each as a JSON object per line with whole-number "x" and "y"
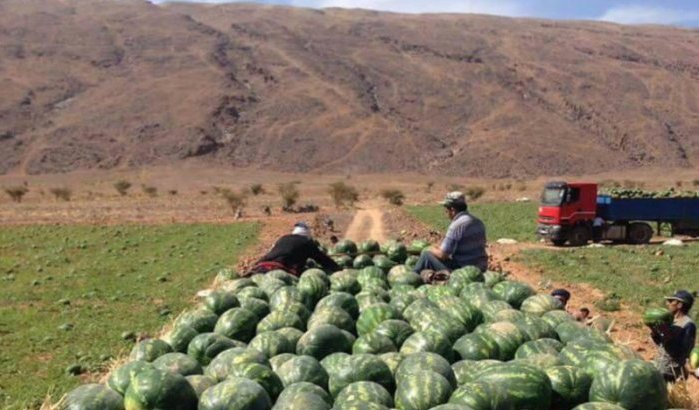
{"x": 675, "y": 341}
{"x": 463, "y": 244}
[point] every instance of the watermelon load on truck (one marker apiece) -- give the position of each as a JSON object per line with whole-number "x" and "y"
{"x": 376, "y": 337}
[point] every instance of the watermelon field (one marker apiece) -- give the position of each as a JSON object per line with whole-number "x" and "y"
{"x": 72, "y": 297}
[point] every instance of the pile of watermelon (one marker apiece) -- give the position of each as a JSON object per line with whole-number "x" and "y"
{"x": 376, "y": 337}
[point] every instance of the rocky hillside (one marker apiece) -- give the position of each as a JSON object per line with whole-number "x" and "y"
{"x": 96, "y": 84}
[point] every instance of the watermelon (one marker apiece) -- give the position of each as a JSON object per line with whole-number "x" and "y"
{"x": 491, "y": 278}
{"x": 120, "y": 378}
{"x": 359, "y": 405}
{"x": 402, "y": 301}
{"x": 257, "y": 306}
{"x": 299, "y": 309}
{"x": 513, "y": 292}
{"x": 220, "y": 367}
{"x": 261, "y": 374}
{"x": 598, "y": 406}
{"x": 465, "y": 275}
{"x": 362, "y": 261}
{"x": 490, "y": 308}
{"x": 369, "y": 246}
{"x": 373, "y": 297}
{"x": 200, "y": 383}
{"x": 392, "y": 360}
{"x": 149, "y": 350}
{"x": 235, "y": 393}
{"x": 480, "y": 395}
{"x": 251, "y": 292}
{"x": 456, "y": 308}
{"x": 304, "y": 388}
{"x": 556, "y": 317}
{"x": 343, "y": 261}
{"x": 343, "y": 300}
{"x": 527, "y": 386}
{"x": 287, "y": 295}
{"x": 417, "y": 246}
{"x": 345, "y": 281}
{"x": 396, "y": 330}
{"x": 284, "y": 276}
{"x": 535, "y": 327}
{"x": 507, "y": 315}
{"x": 202, "y": 320}
{"x": 372, "y": 316}
{"x": 539, "y": 346}
{"x": 423, "y": 390}
{"x": 272, "y": 344}
{"x": 441, "y": 323}
{"x": 383, "y": 262}
{"x": 237, "y": 284}
{"x": 403, "y": 275}
{"x": 477, "y": 346}
{"x": 570, "y": 331}
{"x": 323, "y": 340}
{"x": 467, "y": 371}
{"x": 411, "y": 261}
{"x": 694, "y": 358}
{"x": 430, "y": 341}
{"x": 219, "y": 301}
{"x": 506, "y": 335}
{"x": 364, "y": 391}
{"x": 657, "y": 316}
{"x": 539, "y": 304}
{"x": 303, "y": 369}
{"x": 278, "y": 320}
{"x": 178, "y": 363}
{"x": 291, "y": 334}
{"x": 374, "y": 343}
{"x": 179, "y": 337}
{"x": 540, "y": 360}
{"x": 92, "y": 397}
{"x": 436, "y": 292}
{"x": 425, "y": 361}
{"x": 477, "y": 296}
{"x": 331, "y": 315}
{"x": 157, "y": 389}
{"x": 631, "y": 384}
{"x": 334, "y": 362}
{"x": 277, "y": 361}
{"x": 570, "y": 386}
{"x": 397, "y": 252}
{"x": 360, "y": 367}
{"x": 204, "y": 347}
{"x": 237, "y": 324}
{"x": 345, "y": 246}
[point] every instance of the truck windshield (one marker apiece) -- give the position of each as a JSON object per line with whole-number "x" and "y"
{"x": 553, "y": 196}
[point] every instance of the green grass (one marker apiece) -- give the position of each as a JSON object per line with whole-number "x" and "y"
{"x": 516, "y": 220}
{"x": 635, "y": 273}
{"x": 103, "y": 281}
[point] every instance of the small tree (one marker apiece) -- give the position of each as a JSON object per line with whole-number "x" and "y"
{"x": 236, "y": 200}
{"x": 172, "y": 192}
{"x": 149, "y": 190}
{"x": 257, "y": 189}
{"x": 393, "y": 196}
{"x": 429, "y": 186}
{"x": 343, "y": 194}
{"x": 17, "y": 192}
{"x": 122, "y": 187}
{"x": 289, "y": 193}
{"x": 475, "y": 192}
{"x": 61, "y": 193}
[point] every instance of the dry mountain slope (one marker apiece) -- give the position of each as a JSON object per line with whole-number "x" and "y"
{"x": 125, "y": 83}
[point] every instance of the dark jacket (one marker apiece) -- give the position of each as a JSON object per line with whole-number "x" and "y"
{"x": 293, "y": 251}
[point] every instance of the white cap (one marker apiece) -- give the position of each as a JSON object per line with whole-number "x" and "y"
{"x": 300, "y": 228}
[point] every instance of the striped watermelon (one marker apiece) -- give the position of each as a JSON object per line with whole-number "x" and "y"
{"x": 477, "y": 346}
{"x": 491, "y": 278}
{"x": 360, "y": 367}
{"x": 425, "y": 361}
{"x": 396, "y": 330}
{"x": 251, "y": 292}
{"x": 345, "y": 281}
{"x": 323, "y": 340}
{"x": 535, "y": 327}
{"x": 286, "y": 295}
{"x": 556, "y": 317}
{"x": 235, "y": 393}
{"x": 343, "y": 300}
{"x": 238, "y": 284}
{"x": 369, "y": 246}
{"x": 527, "y": 386}
{"x": 304, "y": 388}
{"x": 149, "y": 350}
{"x": 277, "y": 361}
{"x": 475, "y": 368}
{"x": 219, "y": 301}
{"x": 263, "y": 375}
{"x": 305, "y": 401}
{"x": 278, "y": 320}
{"x": 360, "y": 405}
{"x": 506, "y": 335}
{"x": 291, "y": 334}
{"x": 657, "y": 316}
{"x": 694, "y": 358}
{"x": 179, "y": 337}
{"x": 178, "y": 363}
{"x": 331, "y": 315}
{"x": 372, "y": 297}
{"x": 434, "y": 342}
{"x": 303, "y": 369}
{"x": 423, "y": 390}
{"x": 206, "y": 346}
{"x": 157, "y": 389}
{"x": 570, "y": 386}
{"x": 374, "y": 343}
{"x": 237, "y": 324}
{"x": 392, "y": 360}
{"x": 313, "y": 285}
{"x": 466, "y": 275}
{"x": 334, "y": 362}
{"x": 570, "y": 331}
{"x": 202, "y": 320}
{"x": 283, "y": 275}
{"x": 491, "y": 308}
{"x": 270, "y": 285}
{"x": 220, "y": 367}
{"x": 513, "y": 292}
{"x": 362, "y": 261}
{"x": 451, "y": 406}
{"x": 455, "y": 307}
{"x": 92, "y": 397}
{"x": 541, "y": 360}
{"x": 479, "y": 395}
{"x": 539, "y": 346}
{"x": 272, "y": 344}
{"x": 402, "y": 275}
{"x": 507, "y": 315}
{"x": 257, "y": 306}
{"x": 200, "y": 383}
{"x": 598, "y": 406}
{"x": 462, "y": 370}
{"x": 364, "y": 391}
{"x": 539, "y": 304}
{"x": 631, "y": 384}
{"x": 401, "y": 301}
{"x": 120, "y": 378}
{"x": 370, "y": 317}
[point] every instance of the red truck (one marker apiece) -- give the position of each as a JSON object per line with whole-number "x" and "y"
{"x": 574, "y": 213}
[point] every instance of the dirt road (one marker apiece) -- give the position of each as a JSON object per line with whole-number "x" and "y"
{"x": 367, "y": 224}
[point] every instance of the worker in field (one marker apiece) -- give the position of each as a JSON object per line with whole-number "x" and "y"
{"x": 562, "y": 295}
{"x": 291, "y": 252}
{"x": 675, "y": 341}
{"x": 463, "y": 244}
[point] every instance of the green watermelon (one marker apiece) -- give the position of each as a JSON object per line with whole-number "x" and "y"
{"x": 383, "y": 262}
{"x": 527, "y": 386}
{"x": 345, "y": 246}
{"x": 220, "y": 367}
{"x": 467, "y": 371}
{"x": 92, "y": 397}
{"x": 287, "y": 295}
{"x": 539, "y": 346}
{"x": 359, "y": 405}
{"x": 425, "y": 361}
{"x": 331, "y": 315}
{"x": 304, "y": 388}
{"x": 291, "y": 334}
{"x": 205, "y": 346}
{"x": 396, "y": 330}
{"x": 570, "y": 331}
{"x": 299, "y": 309}
{"x": 237, "y": 284}
{"x": 360, "y": 367}
{"x": 539, "y": 304}
{"x": 261, "y": 374}
{"x": 257, "y": 306}
{"x": 343, "y": 300}
{"x": 417, "y": 246}
{"x": 657, "y": 316}
{"x": 598, "y": 406}
{"x": 277, "y": 361}
{"x": 343, "y": 261}
{"x": 178, "y": 363}
{"x": 422, "y": 390}
{"x": 513, "y": 292}
{"x": 219, "y": 301}
{"x": 392, "y": 360}
{"x": 270, "y": 286}
{"x": 631, "y": 384}
{"x": 373, "y": 297}
{"x": 149, "y": 350}
{"x": 477, "y": 296}
{"x": 369, "y": 246}
{"x": 372, "y": 316}
{"x": 397, "y": 252}
{"x": 506, "y": 335}
{"x": 345, "y": 281}
{"x": 480, "y": 395}
{"x": 332, "y": 363}
{"x": 200, "y": 383}
{"x": 278, "y": 320}
{"x": 411, "y": 261}
{"x": 491, "y": 278}
{"x": 157, "y": 389}
{"x": 464, "y": 313}
{"x": 179, "y": 337}
{"x": 284, "y": 276}
{"x": 430, "y": 341}
{"x": 365, "y": 391}
{"x": 403, "y": 275}
{"x": 362, "y": 261}
{"x": 556, "y": 317}
{"x": 251, "y": 292}
{"x": 507, "y": 315}
{"x": 120, "y": 378}
{"x": 202, "y": 320}
{"x": 535, "y": 327}
{"x": 374, "y": 343}
{"x": 235, "y": 393}
{"x": 303, "y": 369}
{"x": 237, "y": 324}
{"x": 323, "y": 340}
{"x": 491, "y": 308}
{"x": 570, "y": 386}
{"x": 402, "y": 301}
{"x": 541, "y": 360}
{"x": 694, "y": 358}
{"x": 271, "y": 344}
{"x": 465, "y": 275}
{"x": 477, "y": 346}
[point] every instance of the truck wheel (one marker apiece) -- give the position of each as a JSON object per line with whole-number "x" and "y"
{"x": 558, "y": 242}
{"x": 639, "y": 233}
{"x": 579, "y": 235}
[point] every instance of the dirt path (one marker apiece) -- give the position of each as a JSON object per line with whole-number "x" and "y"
{"x": 367, "y": 224}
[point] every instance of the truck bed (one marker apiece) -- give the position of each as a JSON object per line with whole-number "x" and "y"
{"x": 648, "y": 209}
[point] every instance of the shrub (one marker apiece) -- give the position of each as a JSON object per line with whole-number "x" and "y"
{"x": 522, "y": 186}
{"x": 17, "y": 192}
{"x": 474, "y": 192}
{"x": 455, "y": 187}
{"x": 695, "y": 182}
{"x": 393, "y": 196}
{"x": 257, "y": 189}
{"x": 122, "y": 187}
{"x": 172, "y": 192}
{"x": 678, "y": 184}
{"x": 236, "y": 200}
{"x": 429, "y": 186}
{"x": 289, "y": 193}
{"x": 149, "y": 190}
{"x": 343, "y": 194}
{"x": 61, "y": 193}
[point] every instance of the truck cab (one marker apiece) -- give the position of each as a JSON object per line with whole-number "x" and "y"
{"x": 567, "y": 211}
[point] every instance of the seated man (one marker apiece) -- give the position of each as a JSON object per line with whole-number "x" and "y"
{"x": 675, "y": 341}
{"x": 464, "y": 243}
{"x": 291, "y": 252}
{"x": 563, "y": 295}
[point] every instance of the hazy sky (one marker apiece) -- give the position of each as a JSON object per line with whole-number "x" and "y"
{"x": 675, "y": 12}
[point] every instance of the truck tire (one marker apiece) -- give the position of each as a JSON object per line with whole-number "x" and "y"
{"x": 579, "y": 235}
{"x": 639, "y": 233}
{"x": 558, "y": 242}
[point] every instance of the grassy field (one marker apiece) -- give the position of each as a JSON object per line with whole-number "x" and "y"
{"x": 69, "y": 292}
{"x": 641, "y": 275}
{"x": 516, "y": 220}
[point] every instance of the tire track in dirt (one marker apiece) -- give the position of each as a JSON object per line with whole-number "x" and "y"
{"x": 367, "y": 224}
